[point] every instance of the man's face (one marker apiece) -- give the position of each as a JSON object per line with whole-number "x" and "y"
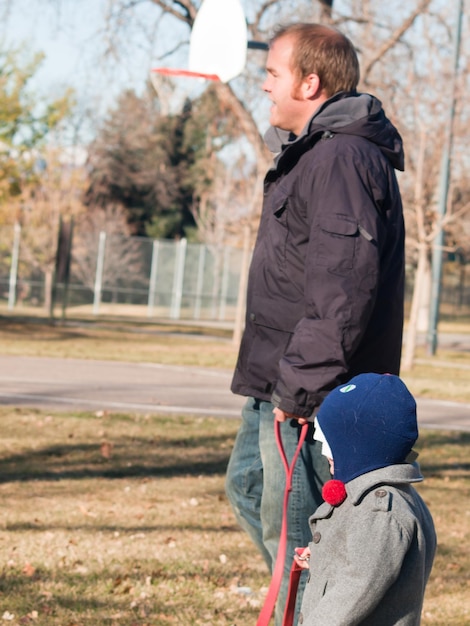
{"x": 290, "y": 110}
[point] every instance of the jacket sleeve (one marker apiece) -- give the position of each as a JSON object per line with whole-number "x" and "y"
{"x": 341, "y": 201}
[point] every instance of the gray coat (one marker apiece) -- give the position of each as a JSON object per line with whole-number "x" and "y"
{"x": 371, "y": 556}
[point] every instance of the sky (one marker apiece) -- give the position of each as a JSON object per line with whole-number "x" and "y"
{"x": 64, "y": 37}
{"x": 72, "y": 35}
{"x": 68, "y": 33}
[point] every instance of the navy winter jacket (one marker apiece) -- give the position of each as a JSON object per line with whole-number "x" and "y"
{"x": 326, "y": 283}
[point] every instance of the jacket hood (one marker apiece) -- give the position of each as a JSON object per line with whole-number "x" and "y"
{"x": 348, "y": 113}
{"x": 369, "y": 423}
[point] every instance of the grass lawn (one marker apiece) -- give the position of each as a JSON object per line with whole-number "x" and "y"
{"x": 122, "y": 520}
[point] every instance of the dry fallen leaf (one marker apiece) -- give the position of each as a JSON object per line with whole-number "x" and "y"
{"x": 106, "y": 449}
{"x": 28, "y": 570}
{"x": 86, "y": 512}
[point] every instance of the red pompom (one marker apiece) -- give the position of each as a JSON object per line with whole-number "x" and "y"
{"x": 334, "y": 492}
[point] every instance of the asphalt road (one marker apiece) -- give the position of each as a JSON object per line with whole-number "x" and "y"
{"x": 75, "y": 384}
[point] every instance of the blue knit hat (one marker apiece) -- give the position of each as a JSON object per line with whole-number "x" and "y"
{"x": 369, "y": 423}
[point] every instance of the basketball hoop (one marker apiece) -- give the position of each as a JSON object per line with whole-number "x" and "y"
{"x": 173, "y": 87}
{"x": 179, "y": 73}
{"x": 218, "y": 40}
{"x": 217, "y": 48}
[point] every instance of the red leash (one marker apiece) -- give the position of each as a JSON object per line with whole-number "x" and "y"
{"x": 294, "y": 578}
{"x": 273, "y": 591}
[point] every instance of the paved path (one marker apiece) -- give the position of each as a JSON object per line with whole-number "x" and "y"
{"x": 119, "y": 386}
{"x": 70, "y": 384}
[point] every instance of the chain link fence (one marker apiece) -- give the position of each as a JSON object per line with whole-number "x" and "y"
{"x": 158, "y": 279}
{"x": 114, "y": 274}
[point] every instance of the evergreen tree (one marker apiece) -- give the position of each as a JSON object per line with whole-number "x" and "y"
{"x": 138, "y": 161}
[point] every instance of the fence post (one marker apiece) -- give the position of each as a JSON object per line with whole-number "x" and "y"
{"x": 99, "y": 273}
{"x": 178, "y": 280}
{"x": 15, "y": 255}
{"x": 199, "y": 282}
{"x": 224, "y": 285}
{"x": 153, "y": 277}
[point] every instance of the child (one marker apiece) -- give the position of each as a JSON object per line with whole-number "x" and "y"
{"x": 373, "y": 540}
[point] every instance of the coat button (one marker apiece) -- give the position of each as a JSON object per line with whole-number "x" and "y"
{"x": 252, "y": 317}
{"x": 380, "y": 493}
{"x": 301, "y": 618}
{"x": 316, "y": 537}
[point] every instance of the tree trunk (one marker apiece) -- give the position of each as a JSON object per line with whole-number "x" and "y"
{"x": 418, "y": 290}
{"x": 241, "y": 299}
{"x": 326, "y": 10}
{"x": 423, "y": 261}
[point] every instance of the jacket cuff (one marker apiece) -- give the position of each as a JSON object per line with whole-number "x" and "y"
{"x": 289, "y": 406}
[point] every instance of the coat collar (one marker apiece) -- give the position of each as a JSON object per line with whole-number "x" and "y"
{"x": 404, "y": 473}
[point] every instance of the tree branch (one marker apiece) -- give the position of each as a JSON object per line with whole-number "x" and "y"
{"x": 395, "y": 37}
{"x": 184, "y": 10}
{"x": 326, "y": 10}
{"x": 254, "y": 27}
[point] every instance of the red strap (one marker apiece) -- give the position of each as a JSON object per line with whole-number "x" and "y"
{"x": 294, "y": 578}
{"x": 273, "y": 591}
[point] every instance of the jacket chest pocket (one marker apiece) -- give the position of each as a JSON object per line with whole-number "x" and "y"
{"x": 335, "y": 243}
{"x": 279, "y": 219}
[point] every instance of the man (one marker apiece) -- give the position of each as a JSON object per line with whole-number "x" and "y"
{"x": 325, "y": 291}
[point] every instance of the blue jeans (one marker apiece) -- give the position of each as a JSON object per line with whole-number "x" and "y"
{"x": 255, "y": 485}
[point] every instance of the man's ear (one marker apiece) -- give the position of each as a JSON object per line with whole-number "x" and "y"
{"x": 311, "y": 87}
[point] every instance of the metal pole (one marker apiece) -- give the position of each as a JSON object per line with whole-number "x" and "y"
{"x": 257, "y": 45}
{"x": 438, "y": 244}
{"x": 224, "y": 286}
{"x": 99, "y": 273}
{"x": 178, "y": 280}
{"x": 153, "y": 278}
{"x": 199, "y": 282}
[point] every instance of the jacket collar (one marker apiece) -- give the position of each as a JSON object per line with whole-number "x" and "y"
{"x": 392, "y": 475}
{"x": 350, "y": 113}
{"x": 404, "y": 473}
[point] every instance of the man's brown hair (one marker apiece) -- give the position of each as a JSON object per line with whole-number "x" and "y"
{"x": 323, "y": 51}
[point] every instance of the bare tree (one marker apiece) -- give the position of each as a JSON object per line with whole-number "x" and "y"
{"x": 55, "y": 193}
{"x": 421, "y": 107}
{"x": 123, "y": 253}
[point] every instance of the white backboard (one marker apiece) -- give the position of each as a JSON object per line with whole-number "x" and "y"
{"x": 219, "y": 39}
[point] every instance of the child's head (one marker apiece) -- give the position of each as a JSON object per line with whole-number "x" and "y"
{"x": 368, "y": 423}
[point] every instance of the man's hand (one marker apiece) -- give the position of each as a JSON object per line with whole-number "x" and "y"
{"x": 282, "y": 416}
